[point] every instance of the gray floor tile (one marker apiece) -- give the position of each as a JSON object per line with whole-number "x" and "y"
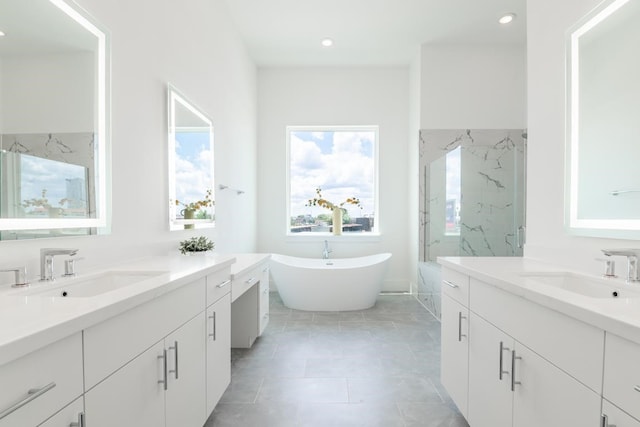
{"x": 309, "y": 390}
{"x": 392, "y": 389}
{"x": 349, "y": 415}
{"x": 373, "y": 367}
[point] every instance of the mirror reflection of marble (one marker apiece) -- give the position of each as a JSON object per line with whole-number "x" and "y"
{"x": 191, "y": 182}
{"x": 53, "y": 127}
{"x": 603, "y": 177}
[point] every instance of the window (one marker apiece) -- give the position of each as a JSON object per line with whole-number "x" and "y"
{"x": 341, "y": 164}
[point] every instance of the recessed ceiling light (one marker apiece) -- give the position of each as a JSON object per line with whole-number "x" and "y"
{"x": 506, "y": 18}
{"x": 327, "y": 42}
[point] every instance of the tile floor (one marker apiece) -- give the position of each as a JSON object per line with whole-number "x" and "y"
{"x": 375, "y": 367}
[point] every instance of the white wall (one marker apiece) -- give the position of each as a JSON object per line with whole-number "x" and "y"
{"x": 193, "y": 45}
{"x": 337, "y": 96}
{"x": 473, "y": 87}
{"x": 413, "y": 206}
{"x": 546, "y": 236}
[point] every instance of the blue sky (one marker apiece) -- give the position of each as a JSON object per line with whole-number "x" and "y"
{"x": 193, "y": 165}
{"x": 339, "y": 162}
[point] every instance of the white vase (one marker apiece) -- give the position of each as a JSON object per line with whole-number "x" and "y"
{"x": 337, "y": 221}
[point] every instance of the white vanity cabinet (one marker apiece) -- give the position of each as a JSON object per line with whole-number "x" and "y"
{"x": 132, "y": 396}
{"x": 455, "y": 342}
{"x": 528, "y": 366}
{"x": 622, "y": 375}
{"x": 146, "y": 367}
{"x": 35, "y": 387}
{"x": 218, "y": 337}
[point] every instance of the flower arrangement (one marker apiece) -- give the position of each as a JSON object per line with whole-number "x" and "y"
{"x": 324, "y": 203}
{"x": 197, "y": 205}
{"x": 196, "y": 244}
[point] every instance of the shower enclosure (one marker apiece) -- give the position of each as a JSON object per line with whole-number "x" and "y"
{"x": 472, "y": 191}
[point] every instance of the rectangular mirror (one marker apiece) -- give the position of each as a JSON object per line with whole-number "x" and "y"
{"x": 53, "y": 132}
{"x": 191, "y": 184}
{"x": 603, "y": 177}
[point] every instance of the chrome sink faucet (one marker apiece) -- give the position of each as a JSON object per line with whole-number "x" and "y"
{"x": 46, "y": 261}
{"x": 327, "y": 251}
{"x": 633, "y": 273}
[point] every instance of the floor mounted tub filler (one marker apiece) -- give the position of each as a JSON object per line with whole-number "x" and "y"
{"x": 340, "y": 284}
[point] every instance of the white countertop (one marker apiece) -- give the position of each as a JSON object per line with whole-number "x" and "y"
{"x": 31, "y": 322}
{"x": 620, "y": 316}
{"x": 245, "y": 262}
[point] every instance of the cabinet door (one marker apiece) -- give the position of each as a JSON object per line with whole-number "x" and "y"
{"x": 185, "y": 395}
{"x": 490, "y": 395}
{"x": 68, "y": 415}
{"x": 455, "y": 351}
{"x": 218, "y": 350}
{"x": 616, "y": 417}
{"x": 132, "y": 396}
{"x": 546, "y": 396}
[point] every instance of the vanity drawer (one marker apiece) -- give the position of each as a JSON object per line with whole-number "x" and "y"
{"x": 622, "y": 374}
{"x": 55, "y": 370}
{"x": 218, "y": 285}
{"x": 242, "y": 283}
{"x": 116, "y": 341}
{"x": 455, "y": 285}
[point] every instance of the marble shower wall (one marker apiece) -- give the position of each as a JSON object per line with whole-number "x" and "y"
{"x": 491, "y": 208}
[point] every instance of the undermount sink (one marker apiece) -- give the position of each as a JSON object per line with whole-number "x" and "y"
{"x": 84, "y": 287}
{"x": 583, "y": 285}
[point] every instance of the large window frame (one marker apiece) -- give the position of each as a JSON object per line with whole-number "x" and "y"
{"x": 321, "y": 235}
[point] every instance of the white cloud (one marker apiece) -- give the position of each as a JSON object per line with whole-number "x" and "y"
{"x": 348, "y": 171}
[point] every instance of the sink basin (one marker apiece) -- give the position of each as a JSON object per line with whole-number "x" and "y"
{"x": 583, "y": 285}
{"x": 84, "y": 287}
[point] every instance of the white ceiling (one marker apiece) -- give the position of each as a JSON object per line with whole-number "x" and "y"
{"x": 368, "y": 32}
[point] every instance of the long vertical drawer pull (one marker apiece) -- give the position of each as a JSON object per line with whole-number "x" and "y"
{"x": 174, "y": 347}
{"x": 223, "y": 284}
{"x": 450, "y": 284}
{"x": 213, "y": 326}
{"x": 513, "y": 370}
{"x": 637, "y": 388}
{"x": 460, "y": 334}
{"x": 164, "y": 369}
{"x": 32, "y": 394}
{"x": 502, "y": 350}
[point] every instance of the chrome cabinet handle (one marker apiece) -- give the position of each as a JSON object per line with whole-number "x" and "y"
{"x": 501, "y": 370}
{"x": 174, "y": 347}
{"x": 250, "y": 281}
{"x": 164, "y": 369}
{"x": 450, "y": 284}
{"x": 637, "y": 388}
{"x": 213, "y": 324}
{"x": 460, "y": 334}
{"x": 32, "y": 394}
{"x": 80, "y": 422}
{"x": 513, "y": 370}
{"x": 223, "y": 284}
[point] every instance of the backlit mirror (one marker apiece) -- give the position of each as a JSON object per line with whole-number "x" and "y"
{"x": 190, "y": 137}
{"x": 53, "y": 120}
{"x": 603, "y": 150}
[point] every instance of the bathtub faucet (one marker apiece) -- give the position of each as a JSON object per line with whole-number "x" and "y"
{"x": 327, "y": 251}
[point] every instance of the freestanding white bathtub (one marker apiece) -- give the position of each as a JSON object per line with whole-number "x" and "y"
{"x": 340, "y": 284}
